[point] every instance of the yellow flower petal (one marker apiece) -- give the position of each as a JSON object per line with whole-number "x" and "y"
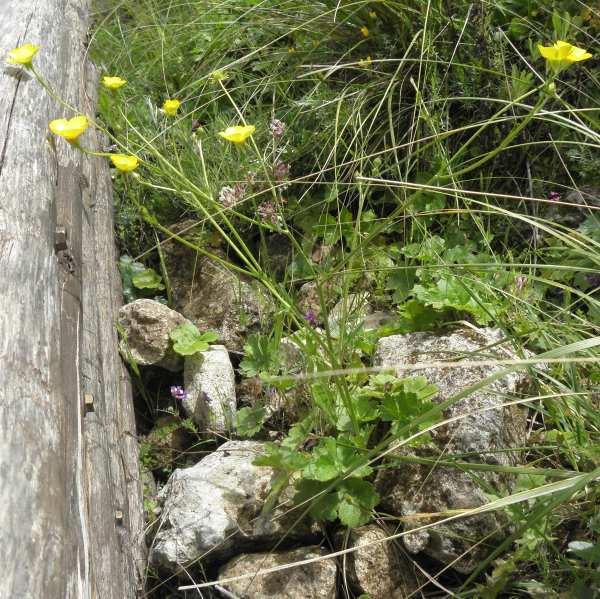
{"x": 238, "y": 134}
{"x": 562, "y": 54}
{"x": 547, "y": 52}
{"x": 578, "y": 54}
{"x": 365, "y": 31}
{"x": 170, "y": 107}
{"x": 124, "y": 162}
{"x": 70, "y": 129}
{"x": 113, "y": 83}
{"x": 23, "y": 55}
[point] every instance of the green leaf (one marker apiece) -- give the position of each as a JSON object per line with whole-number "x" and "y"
{"x": 249, "y": 421}
{"x": 334, "y": 457}
{"x": 128, "y": 269}
{"x": 401, "y": 282}
{"x": 148, "y": 279}
{"x": 417, "y": 316}
{"x": 324, "y": 468}
{"x": 261, "y": 355}
{"x": 322, "y": 506}
{"x": 359, "y": 499}
{"x": 282, "y": 458}
{"x": 187, "y": 339}
{"x": 449, "y": 292}
{"x": 324, "y": 465}
{"x": 401, "y": 400}
{"x": 351, "y": 514}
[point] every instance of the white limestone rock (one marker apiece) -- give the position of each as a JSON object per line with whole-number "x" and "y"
{"x": 209, "y": 381}
{"x": 482, "y": 436}
{"x": 213, "y": 509}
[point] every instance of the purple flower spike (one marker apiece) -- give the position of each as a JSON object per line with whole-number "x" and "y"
{"x": 310, "y": 318}
{"x": 554, "y": 196}
{"x": 178, "y": 393}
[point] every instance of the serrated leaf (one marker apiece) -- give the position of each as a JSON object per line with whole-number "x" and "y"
{"x": 187, "y": 339}
{"x": 351, "y": 460}
{"x": 351, "y": 514}
{"x": 281, "y": 458}
{"x": 322, "y": 507}
{"x": 249, "y": 421}
{"x": 261, "y": 356}
{"x": 322, "y": 469}
{"x": 357, "y": 500}
{"x": 363, "y": 491}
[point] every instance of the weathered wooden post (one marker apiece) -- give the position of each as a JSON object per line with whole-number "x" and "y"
{"x": 70, "y": 500}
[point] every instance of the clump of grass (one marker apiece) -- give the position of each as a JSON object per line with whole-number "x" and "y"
{"x": 432, "y": 161}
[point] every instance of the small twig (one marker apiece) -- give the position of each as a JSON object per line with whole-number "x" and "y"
{"x": 225, "y": 592}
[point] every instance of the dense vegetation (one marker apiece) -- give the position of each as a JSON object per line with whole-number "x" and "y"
{"x": 418, "y": 150}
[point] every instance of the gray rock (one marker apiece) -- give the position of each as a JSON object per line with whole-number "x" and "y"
{"x": 377, "y": 319}
{"x": 352, "y": 309}
{"x": 309, "y": 297}
{"x": 356, "y": 311}
{"x": 215, "y": 298}
{"x": 210, "y": 385}
{"x": 417, "y": 488}
{"x": 379, "y": 571}
{"x": 309, "y": 301}
{"x": 146, "y": 325}
{"x": 212, "y": 509}
{"x": 316, "y": 580}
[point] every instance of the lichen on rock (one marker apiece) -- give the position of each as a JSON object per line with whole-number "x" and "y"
{"x": 486, "y": 432}
{"x": 316, "y": 580}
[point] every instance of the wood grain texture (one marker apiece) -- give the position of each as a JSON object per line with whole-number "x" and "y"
{"x": 64, "y": 473}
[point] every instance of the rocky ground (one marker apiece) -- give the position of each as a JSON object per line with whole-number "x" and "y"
{"x": 206, "y": 520}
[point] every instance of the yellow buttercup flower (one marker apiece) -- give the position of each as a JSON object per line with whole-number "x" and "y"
{"x": 238, "y": 134}
{"x": 170, "y": 107}
{"x": 23, "y": 55}
{"x": 562, "y": 54}
{"x": 124, "y": 162}
{"x": 365, "y": 62}
{"x": 113, "y": 83}
{"x": 70, "y": 129}
{"x": 373, "y": 14}
{"x": 365, "y": 31}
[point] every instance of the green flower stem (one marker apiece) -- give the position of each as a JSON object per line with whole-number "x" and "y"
{"x": 508, "y": 106}
{"x": 285, "y": 231}
{"x": 50, "y": 91}
{"x": 244, "y": 253}
{"x": 438, "y": 177}
{"x": 505, "y": 142}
